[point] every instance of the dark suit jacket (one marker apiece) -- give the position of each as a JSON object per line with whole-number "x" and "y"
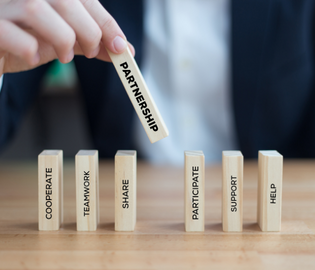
{"x": 273, "y": 55}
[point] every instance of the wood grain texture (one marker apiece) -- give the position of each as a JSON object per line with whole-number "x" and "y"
{"x": 159, "y": 240}
{"x": 232, "y": 191}
{"x": 270, "y": 167}
{"x": 87, "y": 190}
{"x": 125, "y": 190}
{"x": 194, "y": 191}
{"x": 50, "y": 190}
{"x": 140, "y": 96}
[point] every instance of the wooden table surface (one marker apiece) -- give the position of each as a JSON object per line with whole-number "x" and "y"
{"x": 159, "y": 241}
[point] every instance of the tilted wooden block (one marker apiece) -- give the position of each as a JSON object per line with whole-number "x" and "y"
{"x": 87, "y": 190}
{"x": 50, "y": 190}
{"x": 194, "y": 191}
{"x": 125, "y": 190}
{"x": 270, "y": 167}
{"x": 139, "y": 95}
{"x": 232, "y": 191}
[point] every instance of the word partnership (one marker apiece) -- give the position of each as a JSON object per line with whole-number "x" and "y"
{"x": 139, "y": 95}
{"x": 50, "y": 193}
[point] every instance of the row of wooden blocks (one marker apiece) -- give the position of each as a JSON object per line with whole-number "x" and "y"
{"x": 50, "y": 191}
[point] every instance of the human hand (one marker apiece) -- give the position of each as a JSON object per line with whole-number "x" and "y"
{"x": 34, "y": 32}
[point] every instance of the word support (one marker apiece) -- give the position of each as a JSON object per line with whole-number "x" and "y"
{"x": 232, "y": 191}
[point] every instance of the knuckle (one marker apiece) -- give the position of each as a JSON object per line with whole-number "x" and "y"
{"x": 32, "y": 7}
{"x": 64, "y": 4}
{"x": 3, "y": 27}
{"x": 94, "y": 39}
{"x": 68, "y": 40}
{"x": 88, "y": 3}
{"x": 108, "y": 23}
{"x": 27, "y": 52}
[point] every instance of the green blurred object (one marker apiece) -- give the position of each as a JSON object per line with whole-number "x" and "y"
{"x": 60, "y": 75}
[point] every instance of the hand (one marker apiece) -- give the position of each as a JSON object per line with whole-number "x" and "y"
{"x": 34, "y": 32}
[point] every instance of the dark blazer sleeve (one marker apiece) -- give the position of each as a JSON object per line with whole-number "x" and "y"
{"x": 273, "y": 76}
{"x": 19, "y": 90}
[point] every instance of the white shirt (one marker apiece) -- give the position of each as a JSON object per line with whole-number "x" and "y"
{"x": 187, "y": 69}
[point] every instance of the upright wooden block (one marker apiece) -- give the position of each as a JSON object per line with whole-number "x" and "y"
{"x": 232, "y": 191}
{"x": 125, "y": 190}
{"x": 87, "y": 190}
{"x": 270, "y": 167}
{"x": 50, "y": 190}
{"x": 194, "y": 191}
{"x": 139, "y": 95}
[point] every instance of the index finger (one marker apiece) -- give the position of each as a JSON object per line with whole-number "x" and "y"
{"x": 112, "y": 36}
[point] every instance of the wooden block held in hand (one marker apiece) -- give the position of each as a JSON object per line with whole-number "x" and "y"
{"x": 270, "y": 167}
{"x": 139, "y": 95}
{"x": 50, "y": 190}
{"x": 232, "y": 191}
{"x": 87, "y": 190}
{"x": 194, "y": 191}
{"x": 125, "y": 190}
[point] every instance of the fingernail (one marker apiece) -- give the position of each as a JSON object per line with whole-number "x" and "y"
{"x": 70, "y": 56}
{"x": 95, "y": 52}
{"x": 119, "y": 44}
{"x": 36, "y": 59}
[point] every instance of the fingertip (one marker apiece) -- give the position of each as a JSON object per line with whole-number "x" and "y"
{"x": 35, "y": 60}
{"x": 68, "y": 58}
{"x": 94, "y": 53}
{"x": 119, "y": 44}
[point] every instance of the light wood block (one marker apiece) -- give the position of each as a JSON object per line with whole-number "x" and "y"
{"x": 194, "y": 191}
{"x": 87, "y": 190}
{"x": 270, "y": 167}
{"x": 50, "y": 190}
{"x": 139, "y": 95}
{"x": 125, "y": 190}
{"x": 232, "y": 191}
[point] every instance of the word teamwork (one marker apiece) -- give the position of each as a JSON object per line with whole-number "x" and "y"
{"x": 50, "y": 191}
{"x": 87, "y": 190}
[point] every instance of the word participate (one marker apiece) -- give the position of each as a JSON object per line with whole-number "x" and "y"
{"x": 125, "y": 190}
{"x": 232, "y": 191}
{"x": 87, "y": 190}
{"x": 270, "y": 169}
{"x": 194, "y": 191}
{"x": 50, "y": 190}
{"x": 139, "y": 95}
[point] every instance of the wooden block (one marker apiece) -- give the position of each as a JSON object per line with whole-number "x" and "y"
{"x": 194, "y": 191}
{"x": 232, "y": 191}
{"x": 270, "y": 167}
{"x": 87, "y": 190}
{"x": 50, "y": 190}
{"x": 139, "y": 95}
{"x": 125, "y": 190}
